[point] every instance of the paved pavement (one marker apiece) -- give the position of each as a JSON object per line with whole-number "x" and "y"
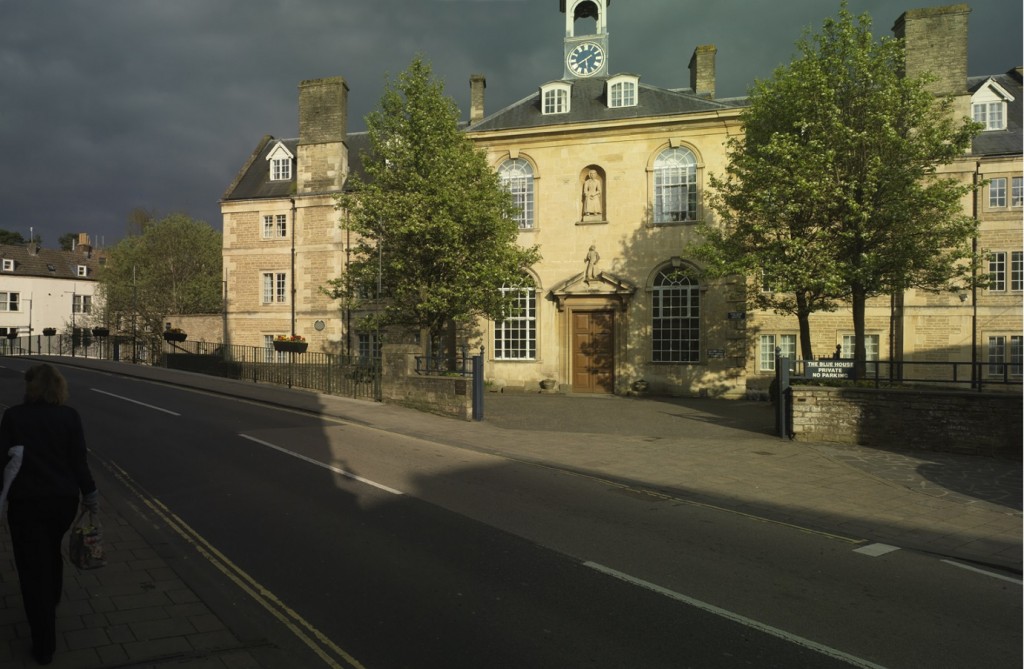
{"x": 140, "y": 612}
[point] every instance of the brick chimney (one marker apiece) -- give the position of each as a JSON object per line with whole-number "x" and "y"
{"x": 84, "y": 246}
{"x": 322, "y": 160}
{"x": 477, "y": 84}
{"x": 702, "y": 70}
{"x": 936, "y": 42}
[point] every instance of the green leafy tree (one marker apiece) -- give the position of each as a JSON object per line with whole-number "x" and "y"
{"x": 67, "y": 241}
{"x": 16, "y": 238}
{"x": 433, "y": 223}
{"x": 173, "y": 267}
{"x": 833, "y": 189}
{"x": 12, "y": 238}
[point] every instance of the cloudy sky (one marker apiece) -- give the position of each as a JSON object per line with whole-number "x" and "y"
{"x": 110, "y": 105}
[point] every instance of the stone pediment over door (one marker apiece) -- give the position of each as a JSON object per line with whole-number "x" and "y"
{"x": 602, "y": 285}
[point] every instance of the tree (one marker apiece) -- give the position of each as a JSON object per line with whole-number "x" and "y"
{"x": 173, "y": 267}
{"x": 67, "y": 241}
{"x": 138, "y": 219}
{"x": 12, "y": 238}
{"x": 16, "y": 238}
{"x": 833, "y": 190}
{"x": 434, "y": 226}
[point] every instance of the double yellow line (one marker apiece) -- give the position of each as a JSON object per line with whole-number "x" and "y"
{"x": 314, "y": 639}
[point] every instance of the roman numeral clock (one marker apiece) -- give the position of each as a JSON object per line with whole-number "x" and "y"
{"x": 585, "y": 59}
{"x": 586, "y": 55}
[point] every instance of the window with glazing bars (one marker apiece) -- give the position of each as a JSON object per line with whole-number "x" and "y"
{"x": 275, "y": 225}
{"x": 787, "y": 346}
{"x": 997, "y": 271}
{"x": 517, "y": 177}
{"x": 997, "y": 192}
{"x": 675, "y": 318}
{"x": 515, "y": 337}
{"x": 675, "y": 186}
{"x": 275, "y": 287}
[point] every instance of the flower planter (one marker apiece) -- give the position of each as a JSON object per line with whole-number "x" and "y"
{"x": 101, "y": 332}
{"x": 175, "y": 336}
{"x": 291, "y": 346}
{"x": 49, "y": 332}
{"x": 12, "y": 334}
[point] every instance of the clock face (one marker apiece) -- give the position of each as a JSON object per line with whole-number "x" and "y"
{"x": 585, "y": 59}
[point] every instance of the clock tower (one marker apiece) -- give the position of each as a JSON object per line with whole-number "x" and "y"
{"x": 585, "y": 55}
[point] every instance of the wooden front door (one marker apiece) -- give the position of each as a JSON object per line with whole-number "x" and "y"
{"x": 593, "y": 352}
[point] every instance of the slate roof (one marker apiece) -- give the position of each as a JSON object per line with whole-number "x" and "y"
{"x": 50, "y": 263}
{"x": 1001, "y": 142}
{"x": 253, "y": 180}
{"x": 588, "y": 104}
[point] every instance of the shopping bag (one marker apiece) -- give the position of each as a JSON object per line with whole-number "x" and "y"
{"x": 85, "y": 547}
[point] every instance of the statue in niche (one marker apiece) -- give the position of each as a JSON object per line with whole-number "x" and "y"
{"x": 592, "y": 195}
{"x": 590, "y": 273}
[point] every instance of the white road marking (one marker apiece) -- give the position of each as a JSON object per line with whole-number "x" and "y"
{"x": 128, "y": 399}
{"x": 985, "y": 573}
{"x": 336, "y": 470}
{"x": 876, "y": 550}
{"x": 735, "y": 617}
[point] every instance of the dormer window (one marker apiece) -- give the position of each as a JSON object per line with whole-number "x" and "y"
{"x": 988, "y": 105}
{"x": 622, "y": 91}
{"x": 280, "y": 159}
{"x": 83, "y": 270}
{"x": 8, "y": 265}
{"x": 555, "y": 98}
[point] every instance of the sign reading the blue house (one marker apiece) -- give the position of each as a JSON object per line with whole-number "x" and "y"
{"x": 829, "y": 369}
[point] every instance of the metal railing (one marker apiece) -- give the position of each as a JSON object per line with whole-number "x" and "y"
{"x": 350, "y": 376}
{"x": 439, "y": 364}
{"x": 975, "y": 375}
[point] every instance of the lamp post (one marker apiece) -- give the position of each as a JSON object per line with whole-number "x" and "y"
{"x": 74, "y": 332}
{"x": 975, "y": 375}
{"x": 29, "y": 300}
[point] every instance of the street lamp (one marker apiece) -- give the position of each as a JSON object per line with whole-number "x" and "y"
{"x": 29, "y": 300}
{"x": 74, "y": 309}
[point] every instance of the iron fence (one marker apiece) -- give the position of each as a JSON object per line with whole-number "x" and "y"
{"x": 350, "y": 376}
{"x": 976, "y": 375}
{"x": 334, "y": 374}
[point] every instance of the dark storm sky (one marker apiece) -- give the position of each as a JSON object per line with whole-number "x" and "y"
{"x": 109, "y": 105}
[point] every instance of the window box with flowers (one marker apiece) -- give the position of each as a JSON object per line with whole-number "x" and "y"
{"x": 290, "y": 344}
{"x": 49, "y": 332}
{"x": 101, "y": 332}
{"x": 175, "y": 334}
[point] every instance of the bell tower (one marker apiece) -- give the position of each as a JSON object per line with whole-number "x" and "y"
{"x": 586, "y": 55}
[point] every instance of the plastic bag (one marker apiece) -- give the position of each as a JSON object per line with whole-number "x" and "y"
{"x": 85, "y": 547}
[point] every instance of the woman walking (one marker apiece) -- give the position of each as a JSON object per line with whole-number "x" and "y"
{"x": 44, "y": 496}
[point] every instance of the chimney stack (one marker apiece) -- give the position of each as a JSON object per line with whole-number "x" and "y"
{"x": 477, "y": 84}
{"x": 936, "y": 41}
{"x": 702, "y": 70}
{"x": 322, "y": 160}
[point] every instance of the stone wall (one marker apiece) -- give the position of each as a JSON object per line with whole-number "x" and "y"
{"x": 988, "y": 423}
{"x": 445, "y": 395}
{"x": 199, "y": 327}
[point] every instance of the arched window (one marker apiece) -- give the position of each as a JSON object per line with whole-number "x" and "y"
{"x": 515, "y": 336}
{"x": 675, "y": 186}
{"x": 517, "y": 176}
{"x": 675, "y": 318}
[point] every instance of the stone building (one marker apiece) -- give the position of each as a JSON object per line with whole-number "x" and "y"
{"x": 48, "y": 288}
{"x": 610, "y": 174}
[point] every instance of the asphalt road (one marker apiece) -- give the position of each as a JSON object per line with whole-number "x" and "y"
{"x": 387, "y": 551}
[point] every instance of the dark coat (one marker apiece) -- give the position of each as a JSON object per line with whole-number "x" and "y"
{"x": 54, "y": 463}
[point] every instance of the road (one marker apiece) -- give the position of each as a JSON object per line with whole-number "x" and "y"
{"x": 384, "y": 551}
